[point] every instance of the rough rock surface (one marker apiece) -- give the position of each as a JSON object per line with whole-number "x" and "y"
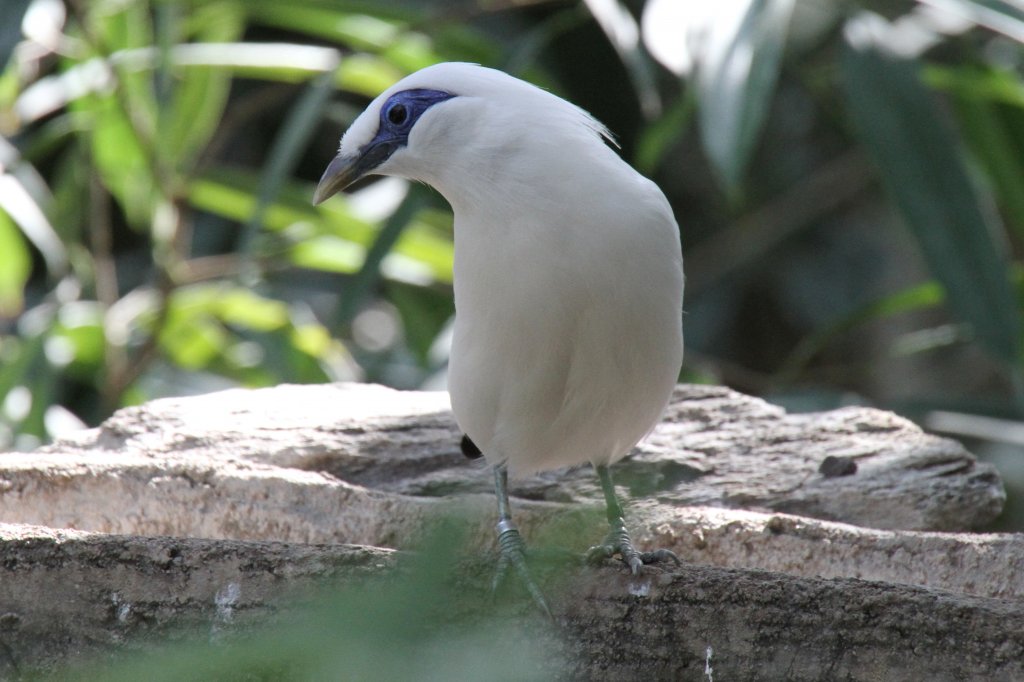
{"x": 66, "y": 594}
{"x": 794, "y": 510}
{"x": 365, "y": 464}
{"x": 72, "y": 595}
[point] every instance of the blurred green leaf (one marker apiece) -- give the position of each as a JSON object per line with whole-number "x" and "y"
{"x": 922, "y": 296}
{"x": 994, "y": 145}
{"x": 123, "y": 27}
{"x": 328, "y": 253}
{"x": 377, "y": 33}
{"x": 20, "y": 206}
{"x": 192, "y": 341}
{"x": 367, "y": 74}
{"x": 230, "y": 193}
{"x": 120, "y": 25}
{"x": 80, "y": 326}
{"x": 362, "y": 284}
{"x": 312, "y": 339}
{"x": 289, "y": 143}
{"x": 424, "y": 314}
{"x": 917, "y": 297}
{"x": 994, "y": 84}
{"x": 422, "y": 243}
{"x": 200, "y": 94}
{"x": 15, "y": 267}
{"x": 10, "y": 86}
{"x": 285, "y": 62}
{"x": 462, "y": 43}
{"x": 232, "y": 332}
{"x": 20, "y": 356}
{"x": 922, "y": 170}
{"x": 990, "y": 108}
{"x": 737, "y": 68}
{"x": 303, "y": 355}
{"x": 43, "y": 386}
{"x": 123, "y": 163}
{"x": 412, "y": 51}
{"x": 659, "y": 137}
{"x": 358, "y": 31}
{"x": 25, "y": 365}
{"x": 241, "y": 307}
{"x": 192, "y": 336}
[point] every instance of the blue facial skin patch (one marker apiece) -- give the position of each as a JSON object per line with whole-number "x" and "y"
{"x": 397, "y": 117}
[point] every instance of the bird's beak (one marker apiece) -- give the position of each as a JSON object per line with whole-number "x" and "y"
{"x": 342, "y": 171}
{"x": 346, "y": 169}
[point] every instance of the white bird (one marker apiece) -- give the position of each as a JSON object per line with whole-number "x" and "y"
{"x": 568, "y": 275}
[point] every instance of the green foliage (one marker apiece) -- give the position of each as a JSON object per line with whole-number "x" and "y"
{"x": 139, "y": 121}
{"x": 921, "y": 167}
{"x": 15, "y": 267}
{"x": 158, "y": 159}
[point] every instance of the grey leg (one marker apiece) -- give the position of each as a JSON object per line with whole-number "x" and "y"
{"x": 617, "y": 541}
{"x": 510, "y": 543}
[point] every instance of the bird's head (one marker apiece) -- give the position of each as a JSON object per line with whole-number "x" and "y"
{"x": 449, "y": 118}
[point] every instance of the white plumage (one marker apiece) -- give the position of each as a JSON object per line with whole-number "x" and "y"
{"x": 568, "y": 272}
{"x": 568, "y": 275}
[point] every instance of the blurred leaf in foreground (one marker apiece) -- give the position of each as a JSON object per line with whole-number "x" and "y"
{"x": 921, "y": 167}
{"x": 15, "y": 267}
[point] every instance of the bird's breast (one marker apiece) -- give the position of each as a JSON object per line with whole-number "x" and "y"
{"x": 567, "y": 333}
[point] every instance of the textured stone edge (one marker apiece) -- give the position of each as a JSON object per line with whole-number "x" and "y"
{"x": 107, "y": 593}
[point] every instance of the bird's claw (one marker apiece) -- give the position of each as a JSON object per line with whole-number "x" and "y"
{"x": 513, "y": 554}
{"x": 618, "y": 542}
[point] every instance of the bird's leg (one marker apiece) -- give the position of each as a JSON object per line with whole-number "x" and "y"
{"x": 617, "y": 541}
{"x": 510, "y": 543}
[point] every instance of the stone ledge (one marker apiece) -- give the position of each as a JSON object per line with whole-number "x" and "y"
{"x": 278, "y": 479}
{"x": 65, "y": 596}
{"x": 365, "y": 464}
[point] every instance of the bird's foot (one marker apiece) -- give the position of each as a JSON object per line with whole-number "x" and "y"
{"x": 513, "y": 556}
{"x": 617, "y": 542}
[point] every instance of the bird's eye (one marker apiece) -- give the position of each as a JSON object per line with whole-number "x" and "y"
{"x": 398, "y": 114}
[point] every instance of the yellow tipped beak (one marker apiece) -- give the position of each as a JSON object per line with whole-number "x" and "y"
{"x": 341, "y": 172}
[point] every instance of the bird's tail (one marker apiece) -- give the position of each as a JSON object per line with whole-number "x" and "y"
{"x": 469, "y": 448}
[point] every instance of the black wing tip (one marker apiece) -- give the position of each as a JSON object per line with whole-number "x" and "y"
{"x": 469, "y": 448}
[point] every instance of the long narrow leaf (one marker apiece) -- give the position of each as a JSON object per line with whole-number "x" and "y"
{"x": 738, "y": 65}
{"x": 284, "y": 155}
{"x": 362, "y": 284}
{"x": 15, "y": 267}
{"x": 922, "y": 169}
{"x": 18, "y": 203}
{"x": 994, "y": 146}
{"x": 284, "y": 62}
{"x": 231, "y": 193}
{"x": 190, "y": 118}
{"x": 916, "y": 297}
{"x": 659, "y": 137}
{"x": 624, "y": 34}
